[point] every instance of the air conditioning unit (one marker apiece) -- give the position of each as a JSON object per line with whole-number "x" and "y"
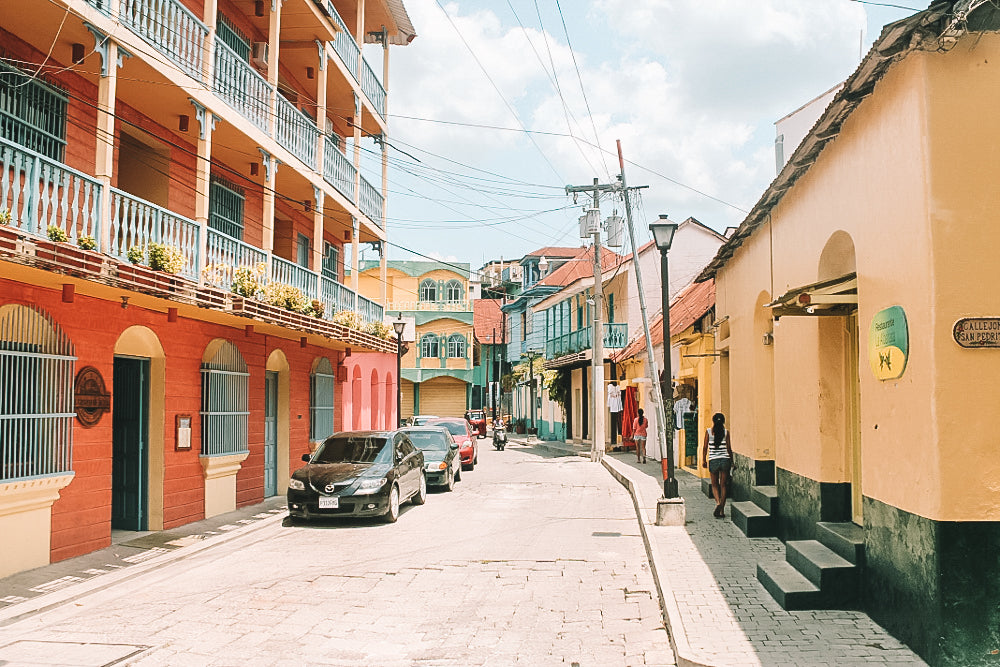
{"x": 258, "y": 54}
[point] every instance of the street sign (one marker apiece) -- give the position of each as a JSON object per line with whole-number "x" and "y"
{"x": 977, "y": 332}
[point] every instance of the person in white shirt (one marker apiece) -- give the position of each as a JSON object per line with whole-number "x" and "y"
{"x": 615, "y": 407}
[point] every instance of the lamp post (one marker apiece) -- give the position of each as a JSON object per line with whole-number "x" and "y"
{"x": 398, "y": 325}
{"x": 532, "y": 355}
{"x": 663, "y": 235}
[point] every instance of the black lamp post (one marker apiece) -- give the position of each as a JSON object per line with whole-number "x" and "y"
{"x": 398, "y": 325}
{"x": 532, "y": 355}
{"x": 663, "y": 235}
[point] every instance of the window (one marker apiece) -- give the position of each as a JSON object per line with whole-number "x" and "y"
{"x": 331, "y": 262}
{"x": 453, "y": 291}
{"x": 233, "y": 37}
{"x": 36, "y": 405}
{"x": 225, "y": 207}
{"x": 524, "y": 326}
{"x": 303, "y": 250}
{"x": 321, "y": 385}
{"x": 32, "y": 113}
{"x": 225, "y": 409}
{"x": 611, "y": 308}
{"x": 529, "y": 321}
{"x": 429, "y": 346}
{"x": 456, "y": 346}
{"x": 428, "y": 290}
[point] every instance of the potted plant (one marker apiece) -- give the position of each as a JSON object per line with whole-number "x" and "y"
{"x": 4, "y": 216}
{"x": 166, "y": 258}
{"x": 137, "y": 254}
{"x": 56, "y": 234}
{"x": 87, "y": 243}
{"x": 249, "y": 281}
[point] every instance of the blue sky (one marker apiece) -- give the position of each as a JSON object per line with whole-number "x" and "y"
{"x": 484, "y": 136}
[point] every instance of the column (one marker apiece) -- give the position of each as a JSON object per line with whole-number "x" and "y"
{"x": 208, "y": 60}
{"x": 355, "y": 242}
{"x": 267, "y": 222}
{"x": 273, "y": 34}
{"x": 203, "y": 177}
{"x": 316, "y": 263}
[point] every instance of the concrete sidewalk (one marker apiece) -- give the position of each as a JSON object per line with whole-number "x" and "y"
{"x": 716, "y": 611}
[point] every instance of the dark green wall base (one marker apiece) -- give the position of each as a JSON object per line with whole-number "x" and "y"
{"x": 804, "y": 502}
{"x": 934, "y": 584}
{"x": 748, "y": 473}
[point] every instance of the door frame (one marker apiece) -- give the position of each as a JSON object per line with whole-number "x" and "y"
{"x": 142, "y": 498}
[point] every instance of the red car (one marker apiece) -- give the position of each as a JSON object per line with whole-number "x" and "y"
{"x": 468, "y": 448}
{"x": 477, "y": 420}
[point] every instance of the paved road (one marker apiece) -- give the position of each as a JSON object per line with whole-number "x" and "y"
{"x": 531, "y": 560}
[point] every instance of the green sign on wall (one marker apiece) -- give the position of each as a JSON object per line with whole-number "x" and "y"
{"x": 888, "y": 343}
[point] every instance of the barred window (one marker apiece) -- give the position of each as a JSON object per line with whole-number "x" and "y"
{"x": 453, "y": 291}
{"x": 321, "y": 385}
{"x": 225, "y": 408}
{"x": 36, "y": 404}
{"x": 456, "y": 346}
{"x": 429, "y": 346}
{"x": 225, "y": 207}
{"x": 32, "y": 113}
{"x": 428, "y": 290}
{"x": 331, "y": 262}
{"x": 232, "y": 36}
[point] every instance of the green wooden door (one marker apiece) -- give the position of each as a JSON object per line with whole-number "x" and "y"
{"x": 270, "y": 434}
{"x": 130, "y": 441}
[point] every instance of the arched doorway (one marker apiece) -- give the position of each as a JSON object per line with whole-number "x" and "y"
{"x": 373, "y": 401}
{"x": 225, "y": 416}
{"x": 276, "y": 424}
{"x": 356, "y": 399}
{"x": 138, "y": 422}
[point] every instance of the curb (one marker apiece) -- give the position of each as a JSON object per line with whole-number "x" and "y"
{"x": 22, "y": 610}
{"x": 686, "y": 656}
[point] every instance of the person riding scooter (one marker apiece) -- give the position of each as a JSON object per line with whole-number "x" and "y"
{"x": 499, "y": 434}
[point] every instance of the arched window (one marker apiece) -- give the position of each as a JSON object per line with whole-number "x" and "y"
{"x": 429, "y": 346}
{"x": 453, "y": 291}
{"x": 456, "y": 346}
{"x": 428, "y": 290}
{"x": 36, "y": 404}
{"x": 225, "y": 408}
{"x": 321, "y": 384}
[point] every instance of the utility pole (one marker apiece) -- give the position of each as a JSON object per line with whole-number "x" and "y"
{"x": 597, "y": 335}
{"x": 492, "y": 389}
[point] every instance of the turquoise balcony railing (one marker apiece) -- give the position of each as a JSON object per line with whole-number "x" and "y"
{"x": 338, "y": 170}
{"x": 225, "y": 255}
{"x": 370, "y": 311}
{"x": 344, "y": 44}
{"x": 615, "y": 337}
{"x": 371, "y": 202}
{"x": 372, "y": 88}
{"x": 297, "y": 132}
{"x": 335, "y": 296}
{"x": 241, "y": 86}
{"x": 289, "y": 273}
{"x": 136, "y": 222}
{"x": 171, "y": 28}
{"x": 40, "y": 193}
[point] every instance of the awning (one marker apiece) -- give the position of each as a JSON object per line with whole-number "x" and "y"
{"x": 837, "y": 296}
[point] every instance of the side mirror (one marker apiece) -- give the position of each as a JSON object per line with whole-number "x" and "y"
{"x": 305, "y": 457}
{"x": 454, "y": 445}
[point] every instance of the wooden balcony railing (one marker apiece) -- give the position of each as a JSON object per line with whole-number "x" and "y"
{"x": 171, "y": 28}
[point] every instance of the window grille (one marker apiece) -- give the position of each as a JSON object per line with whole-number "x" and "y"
{"x": 428, "y": 290}
{"x": 429, "y": 346}
{"x": 225, "y": 207}
{"x": 456, "y": 346}
{"x": 303, "y": 250}
{"x": 224, "y": 405}
{"x": 321, "y": 385}
{"x": 36, "y": 403}
{"x": 32, "y": 113}
{"x": 233, "y": 37}
{"x": 331, "y": 262}
{"x": 453, "y": 291}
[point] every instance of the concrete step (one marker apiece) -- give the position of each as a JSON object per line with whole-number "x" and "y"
{"x": 836, "y": 577}
{"x": 788, "y": 586}
{"x": 766, "y": 498}
{"x": 847, "y": 540}
{"x": 752, "y": 520}
{"x": 706, "y": 486}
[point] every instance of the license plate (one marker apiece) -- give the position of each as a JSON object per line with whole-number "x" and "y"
{"x": 329, "y": 502}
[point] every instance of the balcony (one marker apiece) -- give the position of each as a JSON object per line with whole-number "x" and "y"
{"x": 441, "y": 306}
{"x": 338, "y": 170}
{"x": 297, "y": 133}
{"x": 372, "y": 88}
{"x": 371, "y": 202}
{"x": 615, "y": 337}
{"x": 241, "y": 86}
{"x": 40, "y": 194}
{"x": 170, "y": 28}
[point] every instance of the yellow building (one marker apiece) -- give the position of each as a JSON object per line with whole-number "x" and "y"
{"x": 437, "y": 369}
{"x": 857, "y": 322}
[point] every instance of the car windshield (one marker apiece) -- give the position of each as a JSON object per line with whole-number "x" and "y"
{"x": 429, "y": 441}
{"x": 455, "y": 427}
{"x": 420, "y": 421}
{"x": 475, "y": 415}
{"x": 354, "y": 449}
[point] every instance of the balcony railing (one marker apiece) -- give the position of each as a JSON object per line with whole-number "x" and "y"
{"x": 338, "y": 170}
{"x": 40, "y": 193}
{"x": 336, "y": 296}
{"x": 289, "y": 273}
{"x": 370, "y": 311}
{"x": 241, "y": 86}
{"x": 344, "y": 44}
{"x": 171, "y": 28}
{"x": 225, "y": 255}
{"x": 297, "y": 132}
{"x": 372, "y": 88}
{"x": 615, "y": 337}
{"x": 371, "y": 202}
{"x": 446, "y": 306}
{"x": 136, "y": 222}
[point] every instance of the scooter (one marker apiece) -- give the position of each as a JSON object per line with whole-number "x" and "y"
{"x": 499, "y": 438}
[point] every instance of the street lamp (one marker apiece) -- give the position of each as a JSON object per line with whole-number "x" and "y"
{"x": 532, "y": 355}
{"x": 663, "y": 235}
{"x": 398, "y": 325}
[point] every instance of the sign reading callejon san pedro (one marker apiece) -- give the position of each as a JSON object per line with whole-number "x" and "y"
{"x": 888, "y": 343}
{"x": 977, "y": 332}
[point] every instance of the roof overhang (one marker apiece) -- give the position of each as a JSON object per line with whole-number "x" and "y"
{"x": 837, "y": 296}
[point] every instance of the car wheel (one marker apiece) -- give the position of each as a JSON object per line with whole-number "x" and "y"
{"x": 420, "y": 497}
{"x": 458, "y": 473}
{"x": 475, "y": 457}
{"x": 392, "y": 513}
{"x": 450, "y": 484}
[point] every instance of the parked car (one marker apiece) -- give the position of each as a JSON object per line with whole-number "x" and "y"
{"x": 477, "y": 420}
{"x": 421, "y": 420}
{"x": 358, "y": 473}
{"x": 442, "y": 463}
{"x": 468, "y": 446}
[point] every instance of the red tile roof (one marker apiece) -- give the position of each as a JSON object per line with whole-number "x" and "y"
{"x": 486, "y": 318}
{"x": 581, "y": 265}
{"x": 688, "y": 307}
{"x": 555, "y": 251}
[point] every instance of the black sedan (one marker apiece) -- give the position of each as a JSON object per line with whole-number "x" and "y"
{"x": 359, "y": 473}
{"x": 442, "y": 464}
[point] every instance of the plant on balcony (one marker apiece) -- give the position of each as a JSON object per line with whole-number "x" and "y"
{"x": 380, "y": 330}
{"x": 137, "y": 254}
{"x": 4, "y": 216}
{"x": 87, "y": 243}
{"x": 350, "y": 319}
{"x": 286, "y": 296}
{"x": 166, "y": 258}
{"x": 57, "y": 234}
{"x": 249, "y": 281}
{"x": 216, "y": 274}
{"x": 316, "y": 308}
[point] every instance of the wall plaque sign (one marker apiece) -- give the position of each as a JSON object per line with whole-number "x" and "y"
{"x": 183, "y": 432}
{"x": 888, "y": 343}
{"x": 977, "y": 332}
{"x": 90, "y": 397}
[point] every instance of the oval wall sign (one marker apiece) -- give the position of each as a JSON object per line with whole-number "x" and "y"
{"x": 91, "y": 398}
{"x": 888, "y": 343}
{"x": 977, "y": 332}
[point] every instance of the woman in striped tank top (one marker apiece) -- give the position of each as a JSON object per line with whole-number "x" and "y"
{"x": 717, "y": 456}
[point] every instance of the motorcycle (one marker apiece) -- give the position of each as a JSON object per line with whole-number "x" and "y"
{"x": 499, "y": 438}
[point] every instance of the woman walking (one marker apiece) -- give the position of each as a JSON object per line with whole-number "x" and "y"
{"x": 639, "y": 425}
{"x": 717, "y": 456}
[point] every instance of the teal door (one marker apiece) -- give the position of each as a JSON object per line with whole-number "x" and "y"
{"x": 130, "y": 441}
{"x": 270, "y": 434}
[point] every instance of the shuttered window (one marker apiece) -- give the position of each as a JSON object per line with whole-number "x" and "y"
{"x": 32, "y": 113}
{"x": 321, "y": 400}
{"x": 225, "y": 408}
{"x": 233, "y": 37}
